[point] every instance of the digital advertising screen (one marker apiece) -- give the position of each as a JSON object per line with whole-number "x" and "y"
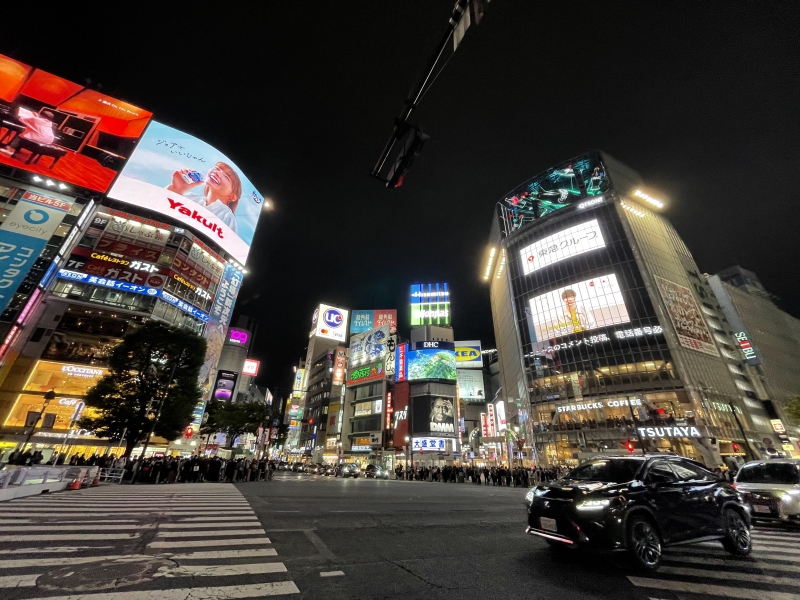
{"x": 430, "y": 304}
{"x": 470, "y": 385}
{"x": 61, "y": 129}
{"x": 433, "y": 415}
{"x": 562, "y": 245}
{"x": 578, "y": 307}
{"x": 225, "y": 385}
{"x": 431, "y": 364}
{"x": 177, "y": 175}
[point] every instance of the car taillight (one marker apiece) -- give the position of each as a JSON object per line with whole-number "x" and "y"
{"x": 733, "y": 485}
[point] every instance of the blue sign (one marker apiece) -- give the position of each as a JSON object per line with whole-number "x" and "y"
{"x": 136, "y": 289}
{"x": 361, "y": 320}
{"x": 333, "y": 318}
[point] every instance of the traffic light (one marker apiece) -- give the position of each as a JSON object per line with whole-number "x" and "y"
{"x": 629, "y": 446}
{"x": 188, "y": 432}
{"x": 735, "y": 447}
{"x": 412, "y": 146}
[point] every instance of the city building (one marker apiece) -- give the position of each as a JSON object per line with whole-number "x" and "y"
{"x": 110, "y": 219}
{"x": 609, "y": 338}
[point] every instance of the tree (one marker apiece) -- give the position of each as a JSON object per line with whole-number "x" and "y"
{"x": 235, "y": 418}
{"x": 152, "y": 363}
{"x": 792, "y": 407}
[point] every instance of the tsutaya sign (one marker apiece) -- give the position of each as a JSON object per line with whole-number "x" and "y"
{"x": 669, "y": 432}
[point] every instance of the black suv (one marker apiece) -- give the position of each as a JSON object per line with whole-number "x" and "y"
{"x": 639, "y": 504}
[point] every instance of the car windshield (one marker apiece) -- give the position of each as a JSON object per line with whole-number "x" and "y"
{"x": 779, "y": 473}
{"x": 606, "y": 471}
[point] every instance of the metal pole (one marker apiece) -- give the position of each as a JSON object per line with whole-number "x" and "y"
{"x": 401, "y": 125}
{"x": 47, "y": 398}
{"x": 748, "y": 452}
{"x": 638, "y": 435}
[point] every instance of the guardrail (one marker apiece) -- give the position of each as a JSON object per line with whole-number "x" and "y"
{"x": 112, "y": 475}
{"x": 31, "y": 476}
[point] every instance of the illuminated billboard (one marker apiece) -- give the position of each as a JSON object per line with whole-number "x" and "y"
{"x": 433, "y": 415}
{"x": 430, "y": 304}
{"x": 431, "y": 364}
{"x": 331, "y": 323}
{"x": 177, "y": 175}
{"x": 364, "y": 320}
{"x": 369, "y": 346}
{"x": 690, "y": 326}
{"x": 470, "y": 385}
{"x": 251, "y": 367}
{"x": 225, "y": 385}
{"x": 60, "y": 129}
{"x": 562, "y": 245}
{"x": 578, "y": 307}
{"x": 468, "y": 354}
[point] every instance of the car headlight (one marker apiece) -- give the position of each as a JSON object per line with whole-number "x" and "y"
{"x": 592, "y": 504}
{"x": 529, "y": 496}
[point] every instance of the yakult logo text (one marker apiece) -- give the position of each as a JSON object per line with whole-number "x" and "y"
{"x": 175, "y": 205}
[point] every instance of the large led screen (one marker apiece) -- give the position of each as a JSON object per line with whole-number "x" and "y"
{"x": 562, "y": 245}
{"x": 690, "y": 326}
{"x": 178, "y": 175}
{"x": 431, "y": 364}
{"x": 62, "y": 130}
{"x": 578, "y": 307}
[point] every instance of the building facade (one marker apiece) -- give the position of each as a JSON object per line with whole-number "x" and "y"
{"x": 609, "y": 339}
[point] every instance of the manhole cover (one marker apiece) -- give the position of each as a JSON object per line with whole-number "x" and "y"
{"x": 103, "y": 574}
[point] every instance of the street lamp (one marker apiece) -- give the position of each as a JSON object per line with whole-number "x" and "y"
{"x": 408, "y": 457}
{"x": 48, "y": 397}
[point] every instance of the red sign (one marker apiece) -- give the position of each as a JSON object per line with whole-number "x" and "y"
{"x": 46, "y": 200}
{"x": 484, "y": 425}
{"x": 389, "y": 410}
{"x": 190, "y": 272}
{"x": 339, "y": 366}
{"x": 400, "y": 372}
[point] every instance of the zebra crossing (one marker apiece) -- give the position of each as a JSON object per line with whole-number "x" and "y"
{"x": 771, "y": 572}
{"x": 169, "y": 542}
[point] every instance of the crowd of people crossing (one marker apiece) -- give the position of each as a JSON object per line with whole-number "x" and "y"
{"x": 485, "y": 475}
{"x": 169, "y": 469}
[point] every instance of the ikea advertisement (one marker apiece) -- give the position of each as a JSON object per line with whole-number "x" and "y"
{"x": 431, "y": 364}
{"x": 177, "y": 175}
{"x": 581, "y": 306}
{"x": 23, "y": 236}
{"x": 468, "y": 355}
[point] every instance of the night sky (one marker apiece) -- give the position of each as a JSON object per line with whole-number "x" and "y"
{"x": 700, "y": 97}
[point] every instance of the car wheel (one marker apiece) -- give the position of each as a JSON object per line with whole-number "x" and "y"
{"x": 737, "y": 535}
{"x": 644, "y": 543}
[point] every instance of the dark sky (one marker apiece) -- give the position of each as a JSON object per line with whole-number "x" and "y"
{"x": 700, "y": 97}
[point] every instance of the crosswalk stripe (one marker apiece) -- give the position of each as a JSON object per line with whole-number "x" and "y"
{"x": 221, "y": 570}
{"x": 70, "y": 536}
{"x": 727, "y": 562}
{"x": 232, "y": 592}
{"x": 783, "y": 555}
{"x": 712, "y": 590}
{"x": 211, "y": 533}
{"x": 71, "y": 527}
{"x": 209, "y": 543}
{"x": 122, "y": 511}
{"x": 201, "y": 524}
{"x": 51, "y": 550}
{"x": 770, "y": 579}
{"x": 18, "y": 581}
{"x": 224, "y": 554}
{"x": 194, "y": 519}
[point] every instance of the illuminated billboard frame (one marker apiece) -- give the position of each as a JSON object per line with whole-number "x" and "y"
{"x": 180, "y": 176}
{"x": 469, "y": 354}
{"x": 331, "y": 323}
{"x": 578, "y": 307}
{"x": 63, "y": 130}
{"x": 251, "y": 367}
{"x": 431, "y": 364}
{"x": 561, "y": 246}
{"x": 430, "y": 304}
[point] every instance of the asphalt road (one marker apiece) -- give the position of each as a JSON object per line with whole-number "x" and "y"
{"x": 315, "y": 537}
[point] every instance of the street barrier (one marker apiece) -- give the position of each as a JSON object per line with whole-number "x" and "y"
{"x": 112, "y": 475}
{"x": 28, "y": 481}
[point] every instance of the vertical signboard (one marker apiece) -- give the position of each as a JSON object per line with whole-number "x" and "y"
{"x": 401, "y": 366}
{"x": 216, "y": 333}
{"x": 484, "y": 425}
{"x": 491, "y": 419}
{"x": 391, "y": 355}
{"x": 690, "y": 327}
{"x": 23, "y": 236}
{"x": 339, "y": 365}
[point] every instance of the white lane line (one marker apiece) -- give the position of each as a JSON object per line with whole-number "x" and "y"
{"x": 195, "y": 519}
{"x": 211, "y": 543}
{"x": 756, "y": 554}
{"x": 721, "y": 562}
{"x": 230, "y": 592}
{"x": 712, "y": 590}
{"x": 70, "y": 536}
{"x": 211, "y": 533}
{"x": 120, "y": 511}
{"x": 201, "y": 525}
{"x": 107, "y": 505}
{"x": 770, "y": 579}
{"x": 52, "y": 550}
{"x": 220, "y": 570}
{"x": 224, "y": 554}
{"x": 73, "y": 527}
{"x": 21, "y": 563}
{"x": 18, "y": 581}
{"x": 331, "y": 573}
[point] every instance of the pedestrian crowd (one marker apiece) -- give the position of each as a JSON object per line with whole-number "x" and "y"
{"x": 196, "y": 469}
{"x": 502, "y": 475}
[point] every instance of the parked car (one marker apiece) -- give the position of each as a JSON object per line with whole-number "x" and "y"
{"x": 376, "y": 472}
{"x": 315, "y": 468}
{"x": 640, "y": 504}
{"x": 348, "y": 470}
{"x": 283, "y": 466}
{"x": 297, "y": 467}
{"x": 771, "y": 489}
{"x": 329, "y": 470}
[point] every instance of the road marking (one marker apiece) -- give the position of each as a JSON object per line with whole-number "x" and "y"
{"x": 194, "y": 519}
{"x": 200, "y": 524}
{"x": 73, "y": 527}
{"x": 18, "y": 581}
{"x": 224, "y": 554}
{"x": 331, "y": 573}
{"x": 208, "y": 543}
{"x": 721, "y": 562}
{"x": 221, "y": 570}
{"x": 319, "y": 544}
{"x": 211, "y": 533}
{"x": 117, "y": 512}
{"x": 730, "y": 575}
{"x": 52, "y": 550}
{"x": 712, "y": 590}
{"x": 765, "y": 554}
{"x": 230, "y": 592}
{"x": 69, "y": 536}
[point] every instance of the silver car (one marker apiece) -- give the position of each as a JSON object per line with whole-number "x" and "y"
{"x": 772, "y": 489}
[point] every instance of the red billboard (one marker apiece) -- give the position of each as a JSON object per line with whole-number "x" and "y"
{"x": 60, "y": 129}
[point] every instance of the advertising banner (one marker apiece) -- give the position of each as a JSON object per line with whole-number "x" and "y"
{"x": 491, "y": 420}
{"x": 175, "y": 174}
{"x": 562, "y": 245}
{"x": 367, "y": 373}
{"x": 690, "y": 327}
{"x": 297, "y": 387}
{"x": 433, "y": 415}
{"x": 225, "y": 385}
{"x": 581, "y": 306}
{"x": 430, "y": 304}
{"x": 400, "y": 363}
{"x": 369, "y": 346}
{"x": 484, "y": 425}
{"x": 331, "y": 323}
{"x": 238, "y": 337}
{"x": 364, "y": 320}
{"x": 60, "y": 129}
{"x": 431, "y": 364}
{"x": 251, "y": 367}
{"x": 339, "y": 366}
{"x": 216, "y": 331}
{"x": 470, "y": 386}
{"x": 468, "y": 355}
{"x": 500, "y": 415}
{"x": 391, "y": 355}
{"x": 23, "y": 236}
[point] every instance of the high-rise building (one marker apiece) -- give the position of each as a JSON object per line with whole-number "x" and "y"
{"x": 609, "y": 338}
{"x": 109, "y": 219}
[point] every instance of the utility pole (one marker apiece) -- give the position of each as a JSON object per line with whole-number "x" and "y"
{"x": 48, "y": 397}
